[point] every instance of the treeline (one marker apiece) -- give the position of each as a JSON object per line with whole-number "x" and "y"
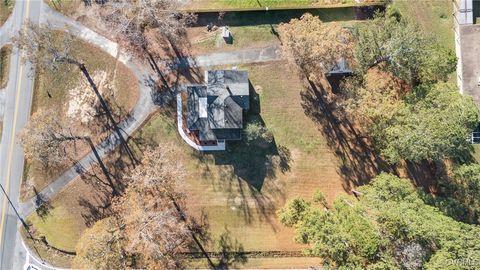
{"x": 400, "y": 98}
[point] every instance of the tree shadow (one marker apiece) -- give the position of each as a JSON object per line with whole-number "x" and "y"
{"x": 226, "y": 251}
{"x": 113, "y": 125}
{"x": 171, "y": 73}
{"x": 359, "y": 161}
{"x": 241, "y": 170}
{"x": 252, "y": 161}
{"x": 42, "y": 205}
{"x": 231, "y": 251}
{"x": 161, "y": 95}
{"x": 265, "y": 17}
{"x": 108, "y": 181}
{"x": 425, "y": 173}
{"x": 285, "y": 158}
{"x": 96, "y": 210}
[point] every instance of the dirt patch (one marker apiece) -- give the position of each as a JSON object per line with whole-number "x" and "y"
{"x": 83, "y": 102}
{"x": 117, "y": 85}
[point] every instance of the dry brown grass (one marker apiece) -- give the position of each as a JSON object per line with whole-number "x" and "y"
{"x": 6, "y": 8}
{"x": 51, "y": 90}
{"x": 223, "y": 185}
{"x": 83, "y": 201}
{"x": 5, "y": 54}
{"x": 232, "y": 191}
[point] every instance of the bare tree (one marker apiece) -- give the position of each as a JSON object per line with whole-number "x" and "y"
{"x": 46, "y": 50}
{"x": 101, "y": 247}
{"x": 46, "y": 141}
{"x": 149, "y": 210}
{"x": 132, "y": 19}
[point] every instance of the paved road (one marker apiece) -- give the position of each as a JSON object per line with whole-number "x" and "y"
{"x": 18, "y": 97}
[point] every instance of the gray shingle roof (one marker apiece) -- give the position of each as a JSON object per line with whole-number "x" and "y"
{"x": 223, "y": 98}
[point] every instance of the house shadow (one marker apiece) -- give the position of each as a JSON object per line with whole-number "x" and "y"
{"x": 242, "y": 169}
{"x": 359, "y": 162}
{"x": 252, "y": 161}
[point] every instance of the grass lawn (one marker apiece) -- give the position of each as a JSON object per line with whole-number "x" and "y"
{"x": 6, "y": 7}
{"x": 5, "y": 54}
{"x": 244, "y": 37}
{"x": 82, "y": 201}
{"x": 476, "y": 152}
{"x": 63, "y": 224}
{"x": 52, "y": 90}
{"x": 65, "y": 232}
{"x": 435, "y": 17}
{"x": 39, "y": 250}
{"x": 268, "y": 263}
{"x": 240, "y": 190}
{"x": 248, "y": 4}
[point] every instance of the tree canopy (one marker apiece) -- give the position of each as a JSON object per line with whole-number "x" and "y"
{"x": 149, "y": 210}
{"x": 433, "y": 123}
{"x": 460, "y": 193}
{"x": 390, "y": 227}
{"x": 256, "y": 131}
{"x": 150, "y": 219}
{"x": 132, "y": 19}
{"x": 409, "y": 53}
{"x": 44, "y": 47}
{"x": 101, "y": 247}
{"x": 315, "y": 46}
{"x": 373, "y": 97}
{"x": 46, "y": 141}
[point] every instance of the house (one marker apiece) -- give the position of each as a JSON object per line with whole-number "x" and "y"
{"x": 215, "y": 110}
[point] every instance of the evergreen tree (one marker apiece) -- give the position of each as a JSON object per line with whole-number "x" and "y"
{"x": 390, "y": 227}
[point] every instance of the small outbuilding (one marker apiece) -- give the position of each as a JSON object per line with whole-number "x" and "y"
{"x": 227, "y": 35}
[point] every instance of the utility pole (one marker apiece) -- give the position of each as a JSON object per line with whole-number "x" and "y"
{"x": 14, "y": 209}
{"x": 25, "y": 225}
